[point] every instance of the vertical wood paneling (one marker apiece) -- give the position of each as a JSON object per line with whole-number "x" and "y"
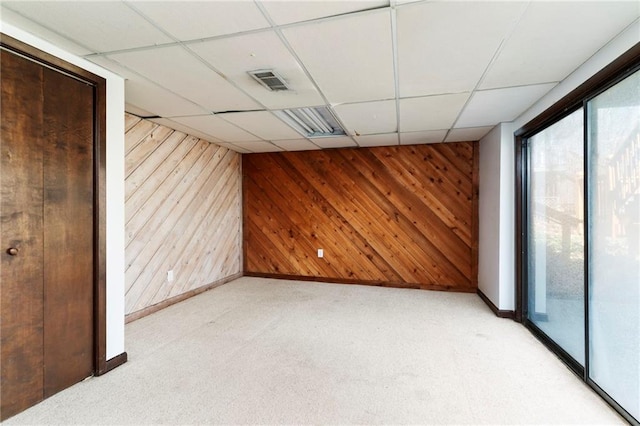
{"x": 402, "y": 216}
{"x": 183, "y": 213}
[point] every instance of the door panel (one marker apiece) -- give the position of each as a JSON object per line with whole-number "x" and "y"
{"x": 614, "y": 280}
{"x": 21, "y": 276}
{"x": 556, "y": 234}
{"x": 46, "y": 181}
{"x": 68, "y": 231}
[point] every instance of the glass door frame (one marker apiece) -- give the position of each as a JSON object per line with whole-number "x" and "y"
{"x": 525, "y": 145}
{"x": 624, "y": 66}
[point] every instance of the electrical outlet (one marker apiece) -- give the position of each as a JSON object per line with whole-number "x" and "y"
{"x": 320, "y": 253}
{"x": 170, "y": 275}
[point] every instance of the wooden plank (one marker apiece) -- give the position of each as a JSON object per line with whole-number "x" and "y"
{"x": 144, "y": 261}
{"x": 224, "y": 223}
{"x": 426, "y": 259}
{"x": 427, "y": 229}
{"x": 181, "y": 203}
{"x": 137, "y": 155}
{"x": 398, "y": 215}
{"x": 146, "y": 169}
{"x": 137, "y": 134}
{"x": 164, "y": 178}
{"x": 150, "y": 217}
{"x": 182, "y": 234}
{"x": 376, "y": 216}
{"x": 422, "y": 186}
{"x": 220, "y": 257}
{"x": 351, "y": 250}
{"x": 68, "y": 232}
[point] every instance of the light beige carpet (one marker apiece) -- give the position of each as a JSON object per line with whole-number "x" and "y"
{"x": 258, "y": 351}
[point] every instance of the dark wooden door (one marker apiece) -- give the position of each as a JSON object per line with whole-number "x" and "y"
{"x": 46, "y": 229}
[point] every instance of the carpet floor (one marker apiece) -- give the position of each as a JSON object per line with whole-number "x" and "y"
{"x": 260, "y": 351}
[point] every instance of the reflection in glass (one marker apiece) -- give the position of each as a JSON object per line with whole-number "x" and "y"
{"x": 614, "y": 280}
{"x": 556, "y": 234}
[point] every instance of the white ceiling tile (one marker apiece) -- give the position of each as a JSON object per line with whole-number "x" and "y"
{"x": 350, "y": 58}
{"x": 554, "y": 38}
{"x": 146, "y": 95}
{"x": 260, "y": 146}
{"x": 19, "y": 21}
{"x": 414, "y": 138}
{"x": 179, "y": 71}
{"x": 161, "y": 102}
{"x": 235, "y": 148}
{"x": 296, "y": 145}
{"x": 286, "y": 12}
{"x": 445, "y": 47}
{"x": 490, "y": 107}
{"x": 468, "y": 134}
{"x": 339, "y": 142}
{"x": 189, "y": 20}
{"x": 262, "y": 124}
{"x": 235, "y": 56}
{"x": 186, "y": 129}
{"x": 100, "y": 25}
{"x": 369, "y": 117}
{"x": 377, "y": 140}
{"x": 430, "y": 112}
{"x": 220, "y": 129}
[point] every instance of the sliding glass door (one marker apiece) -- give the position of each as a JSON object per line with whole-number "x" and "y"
{"x": 556, "y": 234}
{"x": 614, "y": 220}
{"x": 581, "y": 238}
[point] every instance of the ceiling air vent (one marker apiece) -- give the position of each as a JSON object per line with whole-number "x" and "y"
{"x": 314, "y": 122}
{"x": 269, "y": 79}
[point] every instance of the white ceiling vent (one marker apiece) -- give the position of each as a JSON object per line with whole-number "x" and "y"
{"x": 269, "y": 79}
{"x": 314, "y": 122}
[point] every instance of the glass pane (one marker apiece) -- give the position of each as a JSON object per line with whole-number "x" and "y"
{"x": 614, "y": 284}
{"x": 556, "y": 234}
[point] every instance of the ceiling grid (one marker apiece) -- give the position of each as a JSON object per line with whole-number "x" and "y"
{"x": 390, "y": 71}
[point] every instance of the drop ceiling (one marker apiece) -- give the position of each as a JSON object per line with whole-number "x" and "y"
{"x": 392, "y": 72}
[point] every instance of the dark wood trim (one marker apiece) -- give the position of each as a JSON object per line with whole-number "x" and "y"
{"x": 363, "y": 282}
{"x": 244, "y": 204}
{"x": 475, "y": 213}
{"x": 99, "y": 166}
{"x": 519, "y": 228}
{"x": 622, "y": 65}
{"x": 100, "y": 221}
{"x": 114, "y": 362}
{"x": 179, "y": 298}
{"x": 498, "y": 312}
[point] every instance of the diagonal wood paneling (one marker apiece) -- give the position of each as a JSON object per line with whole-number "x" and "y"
{"x": 401, "y": 216}
{"x": 182, "y": 207}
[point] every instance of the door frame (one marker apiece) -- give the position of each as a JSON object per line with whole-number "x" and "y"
{"x": 623, "y": 66}
{"x": 101, "y": 364}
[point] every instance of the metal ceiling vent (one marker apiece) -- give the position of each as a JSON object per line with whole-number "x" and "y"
{"x": 269, "y": 79}
{"x": 314, "y": 122}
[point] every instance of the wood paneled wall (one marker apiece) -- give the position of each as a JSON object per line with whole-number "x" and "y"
{"x": 183, "y": 213}
{"x": 399, "y": 216}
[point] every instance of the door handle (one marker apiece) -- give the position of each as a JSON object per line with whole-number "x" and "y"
{"x": 12, "y": 251}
